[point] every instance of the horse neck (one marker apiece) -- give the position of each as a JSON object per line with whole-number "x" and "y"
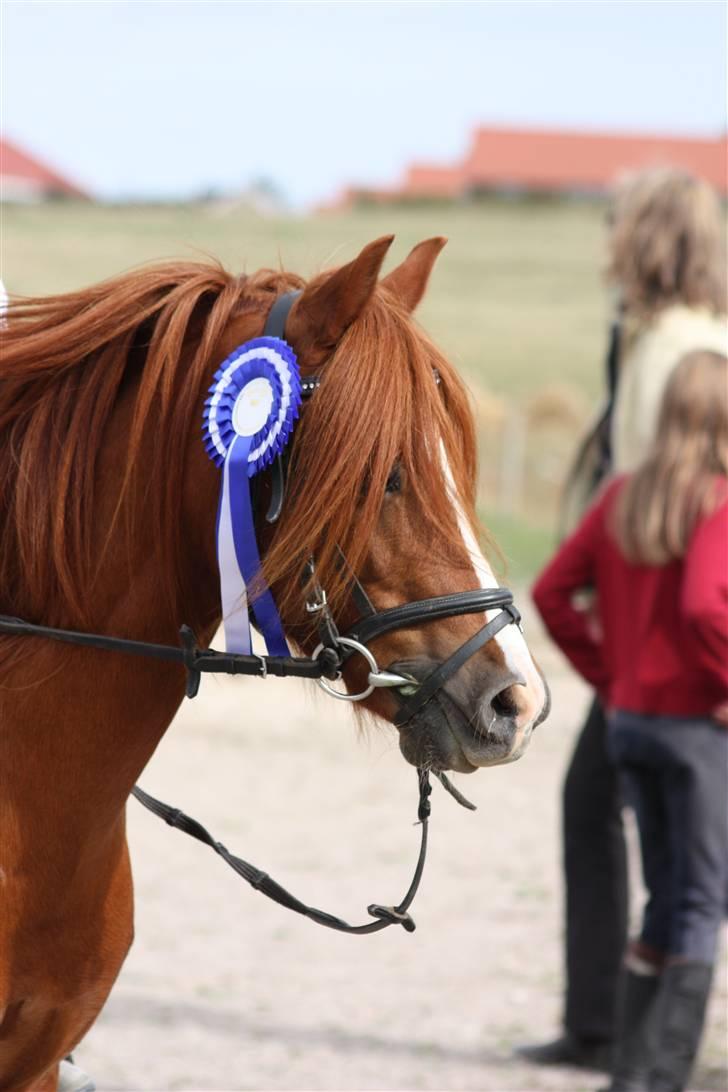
{"x": 79, "y": 725}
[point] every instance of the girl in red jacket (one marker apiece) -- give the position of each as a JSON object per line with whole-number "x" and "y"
{"x": 654, "y": 547}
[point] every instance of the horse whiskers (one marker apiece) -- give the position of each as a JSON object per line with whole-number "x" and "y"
{"x": 474, "y": 723}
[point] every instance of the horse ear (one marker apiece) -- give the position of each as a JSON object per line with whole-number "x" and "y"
{"x": 330, "y": 304}
{"x": 409, "y": 280}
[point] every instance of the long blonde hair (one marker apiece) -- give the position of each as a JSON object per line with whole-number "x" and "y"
{"x": 678, "y": 483}
{"x": 667, "y": 243}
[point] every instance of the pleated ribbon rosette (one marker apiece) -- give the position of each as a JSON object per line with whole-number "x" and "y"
{"x": 249, "y": 415}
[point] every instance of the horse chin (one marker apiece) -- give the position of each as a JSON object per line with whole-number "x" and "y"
{"x": 427, "y": 741}
{"x": 442, "y": 737}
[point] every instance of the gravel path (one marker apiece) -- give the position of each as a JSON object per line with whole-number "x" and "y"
{"x": 224, "y": 990}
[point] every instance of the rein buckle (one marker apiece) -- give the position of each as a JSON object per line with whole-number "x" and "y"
{"x": 392, "y": 916}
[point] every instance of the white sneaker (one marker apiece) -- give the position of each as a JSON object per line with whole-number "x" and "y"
{"x": 71, "y": 1078}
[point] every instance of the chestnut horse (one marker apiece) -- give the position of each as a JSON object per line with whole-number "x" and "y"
{"x": 107, "y": 524}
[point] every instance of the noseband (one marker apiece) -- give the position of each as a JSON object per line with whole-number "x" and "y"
{"x": 325, "y": 666}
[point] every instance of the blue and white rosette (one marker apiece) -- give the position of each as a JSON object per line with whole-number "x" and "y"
{"x": 248, "y": 419}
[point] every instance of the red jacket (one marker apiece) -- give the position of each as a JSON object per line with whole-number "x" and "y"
{"x": 664, "y": 629}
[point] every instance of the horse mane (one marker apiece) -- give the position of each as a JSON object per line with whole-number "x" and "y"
{"x": 68, "y": 360}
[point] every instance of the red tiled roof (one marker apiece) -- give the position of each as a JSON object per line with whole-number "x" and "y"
{"x": 17, "y": 165}
{"x": 547, "y": 160}
{"x": 552, "y": 161}
{"x": 428, "y": 180}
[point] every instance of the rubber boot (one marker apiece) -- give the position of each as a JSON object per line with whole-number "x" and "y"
{"x": 636, "y": 1039}
{"x": 680, "y": 1008}
{"x": 570, "y": 1051}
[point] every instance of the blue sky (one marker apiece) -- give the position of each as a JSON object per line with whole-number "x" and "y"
{"x": 167, "y": 97}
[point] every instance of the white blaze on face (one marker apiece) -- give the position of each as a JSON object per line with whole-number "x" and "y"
{"x": 510, "y": 640}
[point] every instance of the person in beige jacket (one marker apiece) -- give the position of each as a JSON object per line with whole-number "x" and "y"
{"x": 666, "y": 264}
{"x": 648, "y": 363}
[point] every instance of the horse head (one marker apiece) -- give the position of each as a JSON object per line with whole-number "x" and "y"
{"x": 380, "y": 492}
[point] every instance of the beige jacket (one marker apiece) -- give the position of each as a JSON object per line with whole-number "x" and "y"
{"x": 649, "y": 354}
{"x": 646, "y": 365}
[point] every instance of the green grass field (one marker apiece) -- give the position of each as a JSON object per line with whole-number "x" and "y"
{"x": 517, "y": 303}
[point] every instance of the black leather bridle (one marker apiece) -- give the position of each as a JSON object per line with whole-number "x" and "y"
{"x": 325, "y": 665}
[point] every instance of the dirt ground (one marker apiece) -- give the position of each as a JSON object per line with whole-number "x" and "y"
{"x": 224, "y": 990}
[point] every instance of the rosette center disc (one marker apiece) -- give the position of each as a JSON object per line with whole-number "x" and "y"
{"x": 253, "y": 407}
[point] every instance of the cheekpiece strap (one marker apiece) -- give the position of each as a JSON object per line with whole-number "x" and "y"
{"x": 275, "y": 325}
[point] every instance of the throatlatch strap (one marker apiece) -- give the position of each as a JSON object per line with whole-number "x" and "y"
{"x": 261, "y": 881}
{"x": 196, "y": 661}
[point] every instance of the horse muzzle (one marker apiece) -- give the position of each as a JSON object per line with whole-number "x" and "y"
{"x": 463, "y": 727}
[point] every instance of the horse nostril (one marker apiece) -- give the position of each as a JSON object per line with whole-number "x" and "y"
{"x": 504, "y": 704}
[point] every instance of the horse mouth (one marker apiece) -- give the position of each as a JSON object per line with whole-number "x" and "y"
{"x": 442, "y": 736}
{"x": 428, "y": 743}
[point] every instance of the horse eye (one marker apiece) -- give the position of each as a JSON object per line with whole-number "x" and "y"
{"x": 394, "y": 481}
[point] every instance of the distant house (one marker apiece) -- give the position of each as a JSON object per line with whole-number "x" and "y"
{"x": 550, "y": 162}
{"x": 430, "y": 180}
{"x": 25, "y": 178}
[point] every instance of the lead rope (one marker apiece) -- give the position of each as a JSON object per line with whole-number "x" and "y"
{"x": 261, "y": 881}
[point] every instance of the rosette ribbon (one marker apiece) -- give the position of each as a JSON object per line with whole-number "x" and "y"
{"x": 248, "y": 418}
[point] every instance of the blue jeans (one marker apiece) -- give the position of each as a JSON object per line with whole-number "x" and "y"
{"x": 674, "y": 772}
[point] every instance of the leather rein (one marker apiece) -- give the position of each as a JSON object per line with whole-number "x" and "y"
{"x": 324, "y": 666}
